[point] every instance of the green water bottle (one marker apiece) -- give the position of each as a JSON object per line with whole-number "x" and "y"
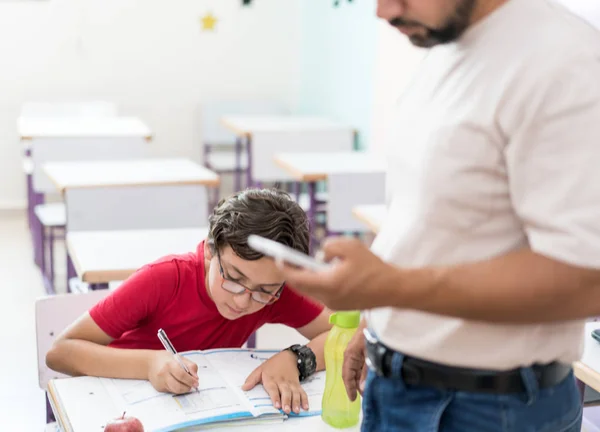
{"x": 337, "y": 410}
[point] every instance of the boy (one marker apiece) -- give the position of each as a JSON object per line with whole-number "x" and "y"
{"x": 214, "y": 298}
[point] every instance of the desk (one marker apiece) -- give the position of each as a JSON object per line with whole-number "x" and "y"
{"x": 587, "y": 370}
{"x": 100, "y": 257}
{"x": 134, "y": 194}
{"x": 121, "y": 173}
{"x": 314, "y": 167}
{"x": 30, "y": 128}
{"x": 372, "y": 216}
{"x": 267, "y": 134}
{"x": 89, "y": 408}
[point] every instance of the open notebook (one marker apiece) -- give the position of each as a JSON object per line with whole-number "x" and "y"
{"x": 220, "y": 399}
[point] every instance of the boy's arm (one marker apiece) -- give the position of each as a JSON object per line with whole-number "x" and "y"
{"x": 81, "y": 350}
{"x": 316, "y": 331}
{"x": 279, "y": 374}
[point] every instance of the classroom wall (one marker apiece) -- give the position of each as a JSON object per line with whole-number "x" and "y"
{"x": 338, "y": 55}
{"x": 149, "y": 56}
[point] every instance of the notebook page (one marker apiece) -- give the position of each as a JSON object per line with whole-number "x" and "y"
{"x": 236, "y": 365}
{"x": 215, "y": 400}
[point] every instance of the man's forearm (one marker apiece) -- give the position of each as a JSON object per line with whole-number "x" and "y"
{"x": 79, "y": 357}
{"x": 521, "y": 287}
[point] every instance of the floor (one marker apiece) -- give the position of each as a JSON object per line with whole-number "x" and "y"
{"x": 22, "y": 403}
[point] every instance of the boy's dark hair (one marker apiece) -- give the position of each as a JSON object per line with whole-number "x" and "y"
{"x": 270, "y": 213}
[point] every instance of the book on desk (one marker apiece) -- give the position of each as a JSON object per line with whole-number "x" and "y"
{"x": 218, "y": 401}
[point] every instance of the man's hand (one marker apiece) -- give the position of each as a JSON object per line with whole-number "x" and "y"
{"x": 166, "y": 374}
{"x": 354, "y": 370}
{"x": 279, "y": 376}
{"x": 357, "y": 280}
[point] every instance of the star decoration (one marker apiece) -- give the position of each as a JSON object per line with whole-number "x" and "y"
{"x": 209, "y": 21}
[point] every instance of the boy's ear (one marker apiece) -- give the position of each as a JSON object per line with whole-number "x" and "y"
{"x": 207, "y": 251}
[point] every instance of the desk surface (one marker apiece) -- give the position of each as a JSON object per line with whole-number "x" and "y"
{"x": 104, "y": 256}
{"x": 82, "y": 127}
{"x": 372, "y": 216}
{"x": 247, "y": 124}
{"x": 94, "y": 408}
{"x": 141, "y": 172}
{"x": 311, "y": 167}
{"x": 588, "y": 368}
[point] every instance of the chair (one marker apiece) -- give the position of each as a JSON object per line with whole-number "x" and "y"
{"x": 230, "y": 157}
{"x": 52, "y": 315}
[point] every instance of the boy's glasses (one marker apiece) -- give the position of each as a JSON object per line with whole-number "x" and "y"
{"x": 258, "y": 295}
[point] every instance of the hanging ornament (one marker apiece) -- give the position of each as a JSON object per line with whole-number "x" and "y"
{"x": 336, "y": 3}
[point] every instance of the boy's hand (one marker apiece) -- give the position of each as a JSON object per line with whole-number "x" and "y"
{"x": 279, "y": 376}
{"x": 166, "y": 375}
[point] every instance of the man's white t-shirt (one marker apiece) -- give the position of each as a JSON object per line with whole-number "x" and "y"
{"x": 497, "y": 148}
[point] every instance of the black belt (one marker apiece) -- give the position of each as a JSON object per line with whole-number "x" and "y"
{"x": 417, "y": 372}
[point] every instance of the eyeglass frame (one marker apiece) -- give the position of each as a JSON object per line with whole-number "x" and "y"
{"x": 274, "y": 297}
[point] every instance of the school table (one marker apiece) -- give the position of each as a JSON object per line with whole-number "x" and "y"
{"x": 132, "y": 194}
{"x": 311, "y": 168}
{"x": 100, "y": 257}
{"x": 71, "y": 138}
{"x": 372, "y": 216}
{"x": 587, "y": 370}
{"x": 266, "y": 134}
{"x": 89, "y": 408}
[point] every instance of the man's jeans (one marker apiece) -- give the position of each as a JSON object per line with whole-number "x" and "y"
{"x": 390, "y": 405}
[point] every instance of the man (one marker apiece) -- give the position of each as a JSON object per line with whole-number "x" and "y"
{"x": 488, "y": 262}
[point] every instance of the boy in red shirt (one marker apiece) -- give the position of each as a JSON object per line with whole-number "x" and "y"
{"x": 213, "y": 298}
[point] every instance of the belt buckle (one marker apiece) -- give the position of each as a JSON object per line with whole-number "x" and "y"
{"x": 375, "y": 353}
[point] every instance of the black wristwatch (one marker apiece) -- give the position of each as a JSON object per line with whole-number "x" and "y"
{"x": 307, "y": 361}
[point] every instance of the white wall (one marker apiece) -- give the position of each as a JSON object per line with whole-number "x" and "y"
{"x": 338, "y": 53}
{"x": 149, "y": 56}
{"x": 396, "y": 62}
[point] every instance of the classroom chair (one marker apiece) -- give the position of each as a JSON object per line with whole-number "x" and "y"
{"x": 52, "y": 315}
{"x": 348, "y": 190}
{"x": 223, "y": 152}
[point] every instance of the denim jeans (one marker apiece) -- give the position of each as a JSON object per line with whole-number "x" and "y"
{"x": 390, "y": 405}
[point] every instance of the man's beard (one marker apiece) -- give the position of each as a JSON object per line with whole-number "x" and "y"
{"x": 455, "y": 26}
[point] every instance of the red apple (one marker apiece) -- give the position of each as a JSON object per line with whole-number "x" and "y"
{"x": 124, "y": 424}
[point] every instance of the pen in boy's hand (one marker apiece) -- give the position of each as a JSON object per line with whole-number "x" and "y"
{"x": 170, "y": 348}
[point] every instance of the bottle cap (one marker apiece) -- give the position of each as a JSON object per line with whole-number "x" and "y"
{"x": 349, "y": 319}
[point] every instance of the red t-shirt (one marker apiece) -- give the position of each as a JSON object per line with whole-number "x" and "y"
{"x": 171, "y": 294}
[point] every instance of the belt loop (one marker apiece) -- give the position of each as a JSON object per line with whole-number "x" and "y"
{"x": 531, "y": 383}
{"x": 396, "y": 372}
